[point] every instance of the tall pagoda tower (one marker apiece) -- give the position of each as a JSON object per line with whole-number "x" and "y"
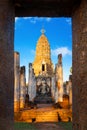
{"x": 42, "y": 64}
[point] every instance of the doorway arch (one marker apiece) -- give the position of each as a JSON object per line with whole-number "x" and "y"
{"x": 77, "y": 9}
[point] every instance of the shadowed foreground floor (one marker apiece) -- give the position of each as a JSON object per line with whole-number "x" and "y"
{"x": 37, "y": 126}
{"x": 43, "y": 126}
{"x": 48, "y": 126}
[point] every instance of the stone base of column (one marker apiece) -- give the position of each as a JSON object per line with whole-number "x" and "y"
{"x": 22, "y": 104}
{"x": 60, "y": 99}
{"x": 16, "y": 106}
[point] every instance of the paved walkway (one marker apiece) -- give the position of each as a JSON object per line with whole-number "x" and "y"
{"x": 48, "y": 126}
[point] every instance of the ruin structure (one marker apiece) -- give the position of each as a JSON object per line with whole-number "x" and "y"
{"x": 19, "y": 83}
{"x": 41, "y": 73}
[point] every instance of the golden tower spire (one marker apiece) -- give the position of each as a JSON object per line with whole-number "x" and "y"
{"x": 42, "y": 64}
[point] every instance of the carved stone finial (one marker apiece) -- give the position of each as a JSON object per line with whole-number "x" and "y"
{"x": 43, "y": 30}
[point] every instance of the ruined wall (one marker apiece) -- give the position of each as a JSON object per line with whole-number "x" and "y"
{"x": 79, "y": 71}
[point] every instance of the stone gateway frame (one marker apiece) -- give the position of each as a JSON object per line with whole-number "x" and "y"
{"x": 77, "y": 9}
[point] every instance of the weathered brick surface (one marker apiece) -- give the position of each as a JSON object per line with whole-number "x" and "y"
{"x": 6, "y": 65}
{"x": 16, "y": 81}
{"x": 80, "y": 67}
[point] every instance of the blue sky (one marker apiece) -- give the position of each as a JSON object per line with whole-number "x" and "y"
{"x": 58, "y": 32}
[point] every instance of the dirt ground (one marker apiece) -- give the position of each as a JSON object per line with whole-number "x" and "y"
{"x": 48, "y": 126}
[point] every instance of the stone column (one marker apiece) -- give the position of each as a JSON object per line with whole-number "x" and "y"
{"x": 59, "y": 78}
{"x": 53, "y": 87}
{"x": 79, "y": 71}
{"x": 33, "y": 86}
{"x": 16, "y": 81}
{"x": 6, "y": 65}
{"x": 67, "y": 88}
{"x": 31, "y": 83}
{"x": 70, "y": 94}
{"x": 22, "y": 87}
{"x": 70, "y": 90}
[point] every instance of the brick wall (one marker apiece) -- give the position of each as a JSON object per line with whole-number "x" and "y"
{"x": 79, "y": 79}
{"x": 6, "y": 65}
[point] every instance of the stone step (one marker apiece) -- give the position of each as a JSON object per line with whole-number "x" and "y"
{"x": 47, "y": 117}
{"x": 44, "y": 114}
{"x": 44, "y": 105}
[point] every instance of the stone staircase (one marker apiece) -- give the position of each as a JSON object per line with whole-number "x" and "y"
{"x": 47, "y": 116}
{"x": 44, "y": 113}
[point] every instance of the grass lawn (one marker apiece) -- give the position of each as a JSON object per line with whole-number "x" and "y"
{"x": 66, "y": 125}
{"x": 31, "y": 126}
{"x": 24, "y": 126}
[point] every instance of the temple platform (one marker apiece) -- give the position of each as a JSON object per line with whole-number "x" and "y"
{"x": 43, "y": 99}
{"x": 43, "y": 113}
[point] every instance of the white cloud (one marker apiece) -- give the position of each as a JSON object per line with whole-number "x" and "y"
{"x": 48, "y": 19}
{"x": 38, "y": 19}
{"x": 33, "y": 20}
{"x": 16, "y": 19}
{"x": 64, "y": 50}
{"x": 68, "y": 20}
{"x": 26, "y": 18}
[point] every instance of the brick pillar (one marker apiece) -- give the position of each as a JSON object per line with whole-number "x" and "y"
{"x": 22, "y": 87}
{"x": 59, "y": 78}
{"x": 6, "y": 65}
{"x": 16, "y": 81}
{"x": 79, "y": 76}
{"x": 31, "y": 83}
